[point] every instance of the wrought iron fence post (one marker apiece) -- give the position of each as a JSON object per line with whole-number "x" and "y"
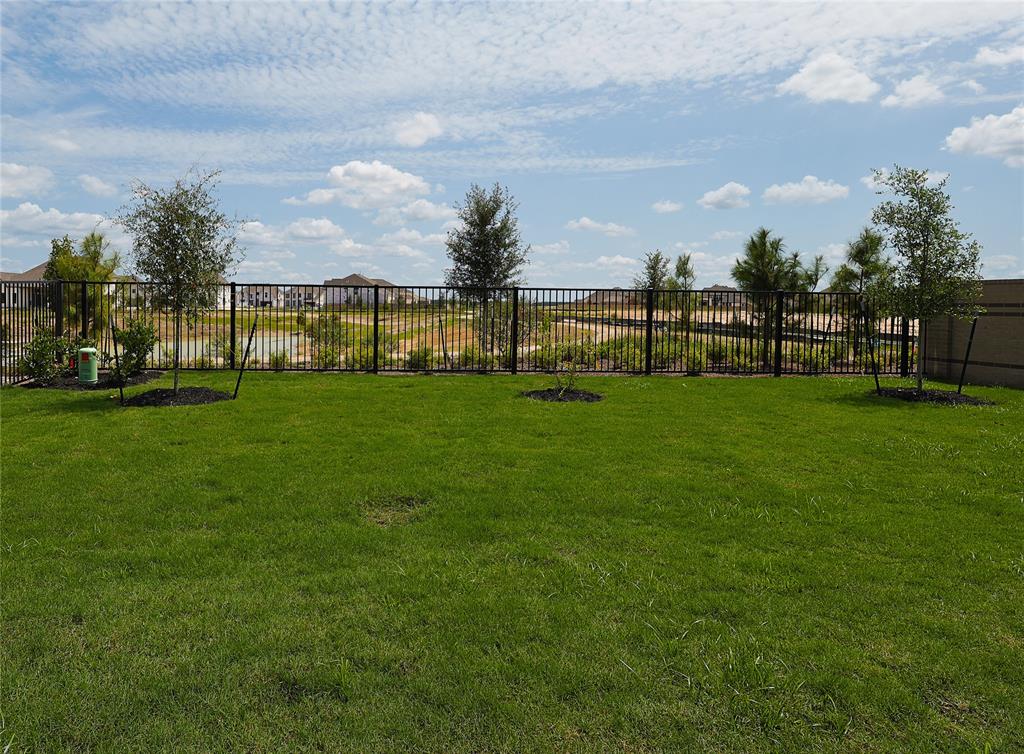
{"x": 58, "y": 319}
{"x": 650, "y": 331}
{"x": 84, "y": 310}
{"x": 232, "y": 343}
{"x": 515, "y": 330}
{"x": 376, "y": 326}
{"x": 905, "y": 347}
{"x": 780, "y": 299}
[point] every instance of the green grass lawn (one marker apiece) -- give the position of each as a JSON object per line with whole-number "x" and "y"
{"x": 359, "y": 563}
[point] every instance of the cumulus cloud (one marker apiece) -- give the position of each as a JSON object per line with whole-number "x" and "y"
{"x": 999, "y": 136}
{"x": 809, "y": 190}
{"x": 556, "y": 248}
{"x": 366, "y": 185}
{"x": 418, "y": 130}
{"x": 314, "y": 229}
{"x": 723, "y": 235}
{"x": 830, "y": 77}
{"x": 914, "y": 92}
{"x": 96, "y": 186}
{"x": 23, "y": 180}
{"x": 612, "y": 230}
{"x": 666, "y": 206}
{"x": 421, "y": 210}
{"x": 730, "y": 196}
{"x": 1007, "y": 56}
{"x": 29, "y": 218}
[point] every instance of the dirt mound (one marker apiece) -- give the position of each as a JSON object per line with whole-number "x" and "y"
{"x": 186, "y": 396}
{"x": 555, "y": 395}
{"x": 941, "y": 397}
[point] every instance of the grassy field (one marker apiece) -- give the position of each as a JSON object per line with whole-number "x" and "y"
{"x": 358, "y": 563}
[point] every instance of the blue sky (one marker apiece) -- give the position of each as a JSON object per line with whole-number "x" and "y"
{"x": 346, "y": 132}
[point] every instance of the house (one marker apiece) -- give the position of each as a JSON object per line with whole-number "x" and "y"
{"x": 24, "y": 296}
{"x": 614, "y": 297}
{"x": 357, "y": 290}
{"x": 721, "y": 295}
{"x": 256, "y": 296}
{"x": 302, "y": 297}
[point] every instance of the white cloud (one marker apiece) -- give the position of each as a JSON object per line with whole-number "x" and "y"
{"x": 999, "y": 136}
{"x": 314, "y": 229}
{"x": 612, "y": 230}
{"x": 1005, "y": 264}
{"x": 366, "y": 185}
{"x": 255, "y": 233}
{"x": 722, "y": 235}
{"x": 809, "y": 190}
{"x": 666, "y": 206}
{"x": 556, "y": 248}
{"x": 410, "y": 236}
{"x": 730, "y": 196}
{"x": 830, "y": 77}
{"x": 418, "y": 130}
{"x": 96, "y": 186}
{"x": 421, "y": 210}
{"x": 1008, "y": 56}
{"x": 914, "y": 92}
{"x": 29, "y": 218}
{"x": 23, "y": 180}
{"x": 974, "y": 86}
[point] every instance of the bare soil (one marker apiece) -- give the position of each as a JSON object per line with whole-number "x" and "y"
{"x": 554, "y": 395}
{"x": 941, "y": 397}
{"x": 106, "y": 381}
{"x": 186, "y": 396}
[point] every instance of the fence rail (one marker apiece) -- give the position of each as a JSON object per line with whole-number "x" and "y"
{"x": 432, "y": 328}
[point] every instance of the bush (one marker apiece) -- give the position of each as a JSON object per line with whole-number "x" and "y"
{"x": 326, "y": 357}
{"x": 300, "y": 318}
{"x": 472, "y": 357}
{"x": 419, "y": 359}
{"x": 278, "y": 360}
{"x": 135, "y": 342}
{"x": 41, "y": 358}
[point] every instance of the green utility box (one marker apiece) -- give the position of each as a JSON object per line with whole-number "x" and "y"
{"x": 87, "y": 366}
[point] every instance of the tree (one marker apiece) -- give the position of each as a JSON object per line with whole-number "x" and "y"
{"x": 485, "y": 248}
{"x": 685, "y": 275}
{"x": 486, "y": 252}
{"x": 865, "y": 264}
{"x": 183, "y": 244}
{"x": 814, "y": 272}
{"x": 764, "y": 266}
{"x": 937, "y": 271}
{"x": 654, "y": 273}
{"x": 93, "y": 262}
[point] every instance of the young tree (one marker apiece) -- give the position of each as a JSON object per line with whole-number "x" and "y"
{"x": 814, "y": 272}
{"x": 486, "y": 251}
{"x": 183, "y": 244}
{"x": 685, "y": 274}
{"x": 92, "y": 262}
{"x": 937, "y": 271}
{"x": 654, "y": 273}
{"x": 485, "y": 248}
{"x": 865, "y": 264}
{"x": 764, "y": 266}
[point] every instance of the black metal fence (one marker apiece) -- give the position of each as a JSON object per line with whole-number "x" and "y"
{"x": 430, "y": 328}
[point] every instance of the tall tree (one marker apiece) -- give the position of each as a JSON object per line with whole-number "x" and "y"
{"x": 94, "y": 262}
{"x": 937, "y": 271}
{"x": 485, "y": 248}
{"x": 865, "y": 264}
{"x": 814, "y": 272}
{"x": 765, "y": 267}
{"x": 183, "y": 243}
{"x": 654, "y": 273}
{"x": 685, "y": 274}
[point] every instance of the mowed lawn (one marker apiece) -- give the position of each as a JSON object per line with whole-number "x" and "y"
{"x": 434, "y": 563}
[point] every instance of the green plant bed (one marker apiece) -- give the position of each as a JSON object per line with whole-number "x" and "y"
{"x": 435, "y": 563}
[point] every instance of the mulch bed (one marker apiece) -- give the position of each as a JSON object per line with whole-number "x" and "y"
{"x": 554, "y": 395}
{"x": 941, "y": 397}
{"x": 187, "y": 396}
{"x": 105, "y": 381}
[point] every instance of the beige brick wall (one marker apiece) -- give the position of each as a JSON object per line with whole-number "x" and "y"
{"x": 997, "y": 355}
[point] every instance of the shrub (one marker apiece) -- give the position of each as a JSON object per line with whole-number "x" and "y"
{"x": 419, "y": 359}
{"x": 40, "y": 360}
{"x": 204, "y": 361}
{"x": 326, "y": 357}
{"x": 135, "y": 342}
{"x": 278, "y": 360}
{"x": 300, "y": 318}
{"x": 472, "y": 357}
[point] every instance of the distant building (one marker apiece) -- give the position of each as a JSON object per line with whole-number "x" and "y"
{"x": 358, "y": 290}
{"x": 614, "y": 297}
{"x": 721, "y": 295}
{"x": 23, "y": 296}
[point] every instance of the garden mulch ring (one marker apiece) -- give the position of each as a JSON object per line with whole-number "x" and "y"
{"x": 106, "y": 381}
{"x": 186, "y": 396}
{"x": 554, "y": 395}
{"x": 941, "y": 397}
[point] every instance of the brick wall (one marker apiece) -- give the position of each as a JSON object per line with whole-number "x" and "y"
{"x": 997, "y": 356}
